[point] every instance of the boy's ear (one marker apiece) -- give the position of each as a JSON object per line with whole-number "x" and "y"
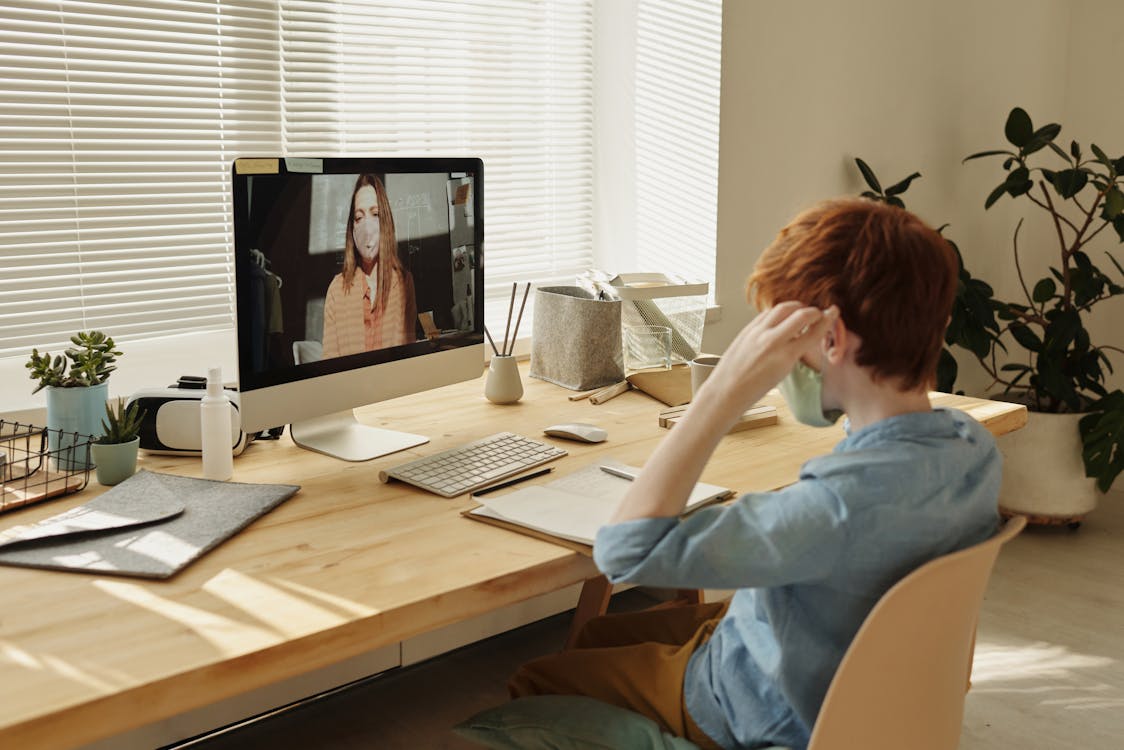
{"x": 837, "y": 342}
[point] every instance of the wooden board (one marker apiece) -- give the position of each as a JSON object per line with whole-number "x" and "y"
{"x": 757, "y": 416}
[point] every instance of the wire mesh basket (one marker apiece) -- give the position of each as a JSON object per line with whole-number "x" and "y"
{"x": 37, "y": 463}
{"x": 653, "y": 299}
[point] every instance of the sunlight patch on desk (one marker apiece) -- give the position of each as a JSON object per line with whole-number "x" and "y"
{"x": 281, "y": 610}
{"x": 161, "y": 546}
{"x": 89, "y": 560}
{"x": 346, "y": 605}
{"x": 64, "y": 668}
{"x": 230, "y": 637}
{"x": 12, "y": 653}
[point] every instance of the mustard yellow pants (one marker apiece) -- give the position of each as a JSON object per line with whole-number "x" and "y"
{"x": 635, "y": 660}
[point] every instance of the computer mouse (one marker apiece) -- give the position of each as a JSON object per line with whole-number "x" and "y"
{"x": 585, "y": 433}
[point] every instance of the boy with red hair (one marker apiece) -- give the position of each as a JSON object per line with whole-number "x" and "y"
{"x": 854, "y": 299}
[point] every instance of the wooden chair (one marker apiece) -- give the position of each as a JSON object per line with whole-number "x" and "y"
{"x": 902, "y": 681}
{"x": 900, "y": 686}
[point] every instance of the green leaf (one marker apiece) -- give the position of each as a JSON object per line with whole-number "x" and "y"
{"x": 1102, "y": 157}
{"x": 1049, "y": 133}
{"x": 1075, "y": 150}
{"x": 1018, "y": 182}
{"x": 894, "y": 200}
{"x": 1083, "y": 261}
{"x": 1118, "y": 165}
{"x": 1113, "y": 204}
{"x": 868, "y": 175}
{"x": 998, "y": 193}
{"x": 1069, "y": 182}
{"x": 1018, "y": 128}
{"x": 1026, "y": 337}
{"x": 985, "y": 153}
{"x": 1118, "y": 268}
{"x": 1102, "y": 437}
{"x": 1118, "y": 225}
{"x": 1016, "y": 366}
{"x": 900, "y": 187}
{"x": 946, "y": 371}
{"x": 1061, "y": 332}
{"x": 1058, "y": 150}
{"x": 1044, "y": 290}
{"x": 976, "y": 339}
{"x": 981, "y": 287}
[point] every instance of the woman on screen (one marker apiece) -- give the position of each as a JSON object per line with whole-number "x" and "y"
{"x": 370, "y": 304}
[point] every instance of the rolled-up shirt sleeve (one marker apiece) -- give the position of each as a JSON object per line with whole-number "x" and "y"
{"x": 762, "y": 539}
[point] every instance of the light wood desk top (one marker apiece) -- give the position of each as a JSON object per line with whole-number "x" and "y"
{"x": 345, "y": 566}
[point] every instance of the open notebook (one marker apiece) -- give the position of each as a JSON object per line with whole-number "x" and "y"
{"x": 574, "y": 507}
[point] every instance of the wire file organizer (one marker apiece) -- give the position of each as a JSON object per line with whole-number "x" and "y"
{"x": 37, "y": 463}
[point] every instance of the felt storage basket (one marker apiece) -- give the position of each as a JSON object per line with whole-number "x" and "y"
{"x": 576, "y": 339}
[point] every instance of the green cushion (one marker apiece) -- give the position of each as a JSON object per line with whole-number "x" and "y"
{"x": 561, "y": 722}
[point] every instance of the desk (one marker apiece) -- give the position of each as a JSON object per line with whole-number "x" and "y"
{"x": 345, "y": 566}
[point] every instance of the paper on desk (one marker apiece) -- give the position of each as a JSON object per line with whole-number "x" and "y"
{"x": 576, "y": 506}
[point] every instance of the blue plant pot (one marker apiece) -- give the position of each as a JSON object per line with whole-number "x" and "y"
{"x": 74, "y": 417}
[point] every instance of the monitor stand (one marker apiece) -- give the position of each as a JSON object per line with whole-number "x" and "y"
{"x": 341, "y": 436}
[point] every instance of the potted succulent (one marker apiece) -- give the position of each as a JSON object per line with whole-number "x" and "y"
{"x": 1073, "y": 444}
{"x": 115, "y": 452}
{"x": 76, "y": 393}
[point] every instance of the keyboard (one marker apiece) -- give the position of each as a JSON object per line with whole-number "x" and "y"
{"x": 475, "y": 465}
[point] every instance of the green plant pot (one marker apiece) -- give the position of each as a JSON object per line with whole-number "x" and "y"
{"x": 74, "y": 416}
{"x": 116, "y": 462}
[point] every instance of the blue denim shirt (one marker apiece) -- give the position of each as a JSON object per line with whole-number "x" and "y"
{"x": 809, "y": 562}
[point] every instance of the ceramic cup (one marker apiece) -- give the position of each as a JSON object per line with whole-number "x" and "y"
{"x": 503, "y": 385}
{"x": 701, "y": 367}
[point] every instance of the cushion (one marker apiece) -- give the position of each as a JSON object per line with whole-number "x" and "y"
{"x": 561, "y": 722}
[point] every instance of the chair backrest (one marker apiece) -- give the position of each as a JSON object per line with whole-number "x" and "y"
{"x": 902, "y": 682}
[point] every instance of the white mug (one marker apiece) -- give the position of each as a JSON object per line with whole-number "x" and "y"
{"x": 701, "y": 367}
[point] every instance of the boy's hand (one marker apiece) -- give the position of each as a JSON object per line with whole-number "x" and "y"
{"x": 764, "y": 352}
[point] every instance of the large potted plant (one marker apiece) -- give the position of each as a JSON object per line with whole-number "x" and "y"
{"x": 76, "y": 393}
{"x": 115, "y": 452}
{"x": 1073, "y": 444}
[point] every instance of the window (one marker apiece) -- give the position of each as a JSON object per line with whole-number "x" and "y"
{"x": 678, "y": 69}
{"x": 510, "y": 83}
{"x": 119, "y": 121}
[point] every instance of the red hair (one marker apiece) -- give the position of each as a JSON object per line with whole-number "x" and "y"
{"x": 893, "y": 277}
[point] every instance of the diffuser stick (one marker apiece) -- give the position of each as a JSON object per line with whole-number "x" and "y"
{"x": 519, "y": 319}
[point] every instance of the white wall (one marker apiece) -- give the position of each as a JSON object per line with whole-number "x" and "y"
{"x": 808, "y": 86}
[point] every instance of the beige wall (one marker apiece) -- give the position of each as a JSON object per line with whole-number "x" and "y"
{"x": 808, "y": 86}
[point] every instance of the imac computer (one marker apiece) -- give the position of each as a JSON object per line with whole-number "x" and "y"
{"x": 358, "y": 280}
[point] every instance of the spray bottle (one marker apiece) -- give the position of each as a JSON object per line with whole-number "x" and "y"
{"x": 215, "y": 426}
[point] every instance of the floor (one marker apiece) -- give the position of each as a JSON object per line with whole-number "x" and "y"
{"x": 1049, "y": 667}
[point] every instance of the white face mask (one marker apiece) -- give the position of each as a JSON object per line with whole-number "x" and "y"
{"x": 366, "y": 236}
{"x": 803, "y": 391}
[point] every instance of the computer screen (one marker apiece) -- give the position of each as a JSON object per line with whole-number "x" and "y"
{"x": 357, "y": 280}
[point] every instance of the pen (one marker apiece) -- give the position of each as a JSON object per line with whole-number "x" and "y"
{"x": 510, "y": 482}
{"x": 618, "y": 473}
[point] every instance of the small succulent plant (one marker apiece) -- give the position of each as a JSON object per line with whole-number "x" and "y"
{"x": 121, "y": 424}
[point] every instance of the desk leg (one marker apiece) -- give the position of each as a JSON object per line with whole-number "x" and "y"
{"x": 594, "y": 600}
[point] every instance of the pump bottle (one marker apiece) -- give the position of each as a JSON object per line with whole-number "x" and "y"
{"x": 217, "y": 436}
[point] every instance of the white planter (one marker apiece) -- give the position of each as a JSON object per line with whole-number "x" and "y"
{"x": 1043, "y": 474}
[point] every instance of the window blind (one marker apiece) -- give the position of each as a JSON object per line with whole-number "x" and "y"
{"x": 509, "y": 82}
{"x": 117, "y": 124}
{"x": 678, "y": 72}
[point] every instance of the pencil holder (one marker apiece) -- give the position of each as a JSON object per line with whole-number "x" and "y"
{"x": 503, "y": 385}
